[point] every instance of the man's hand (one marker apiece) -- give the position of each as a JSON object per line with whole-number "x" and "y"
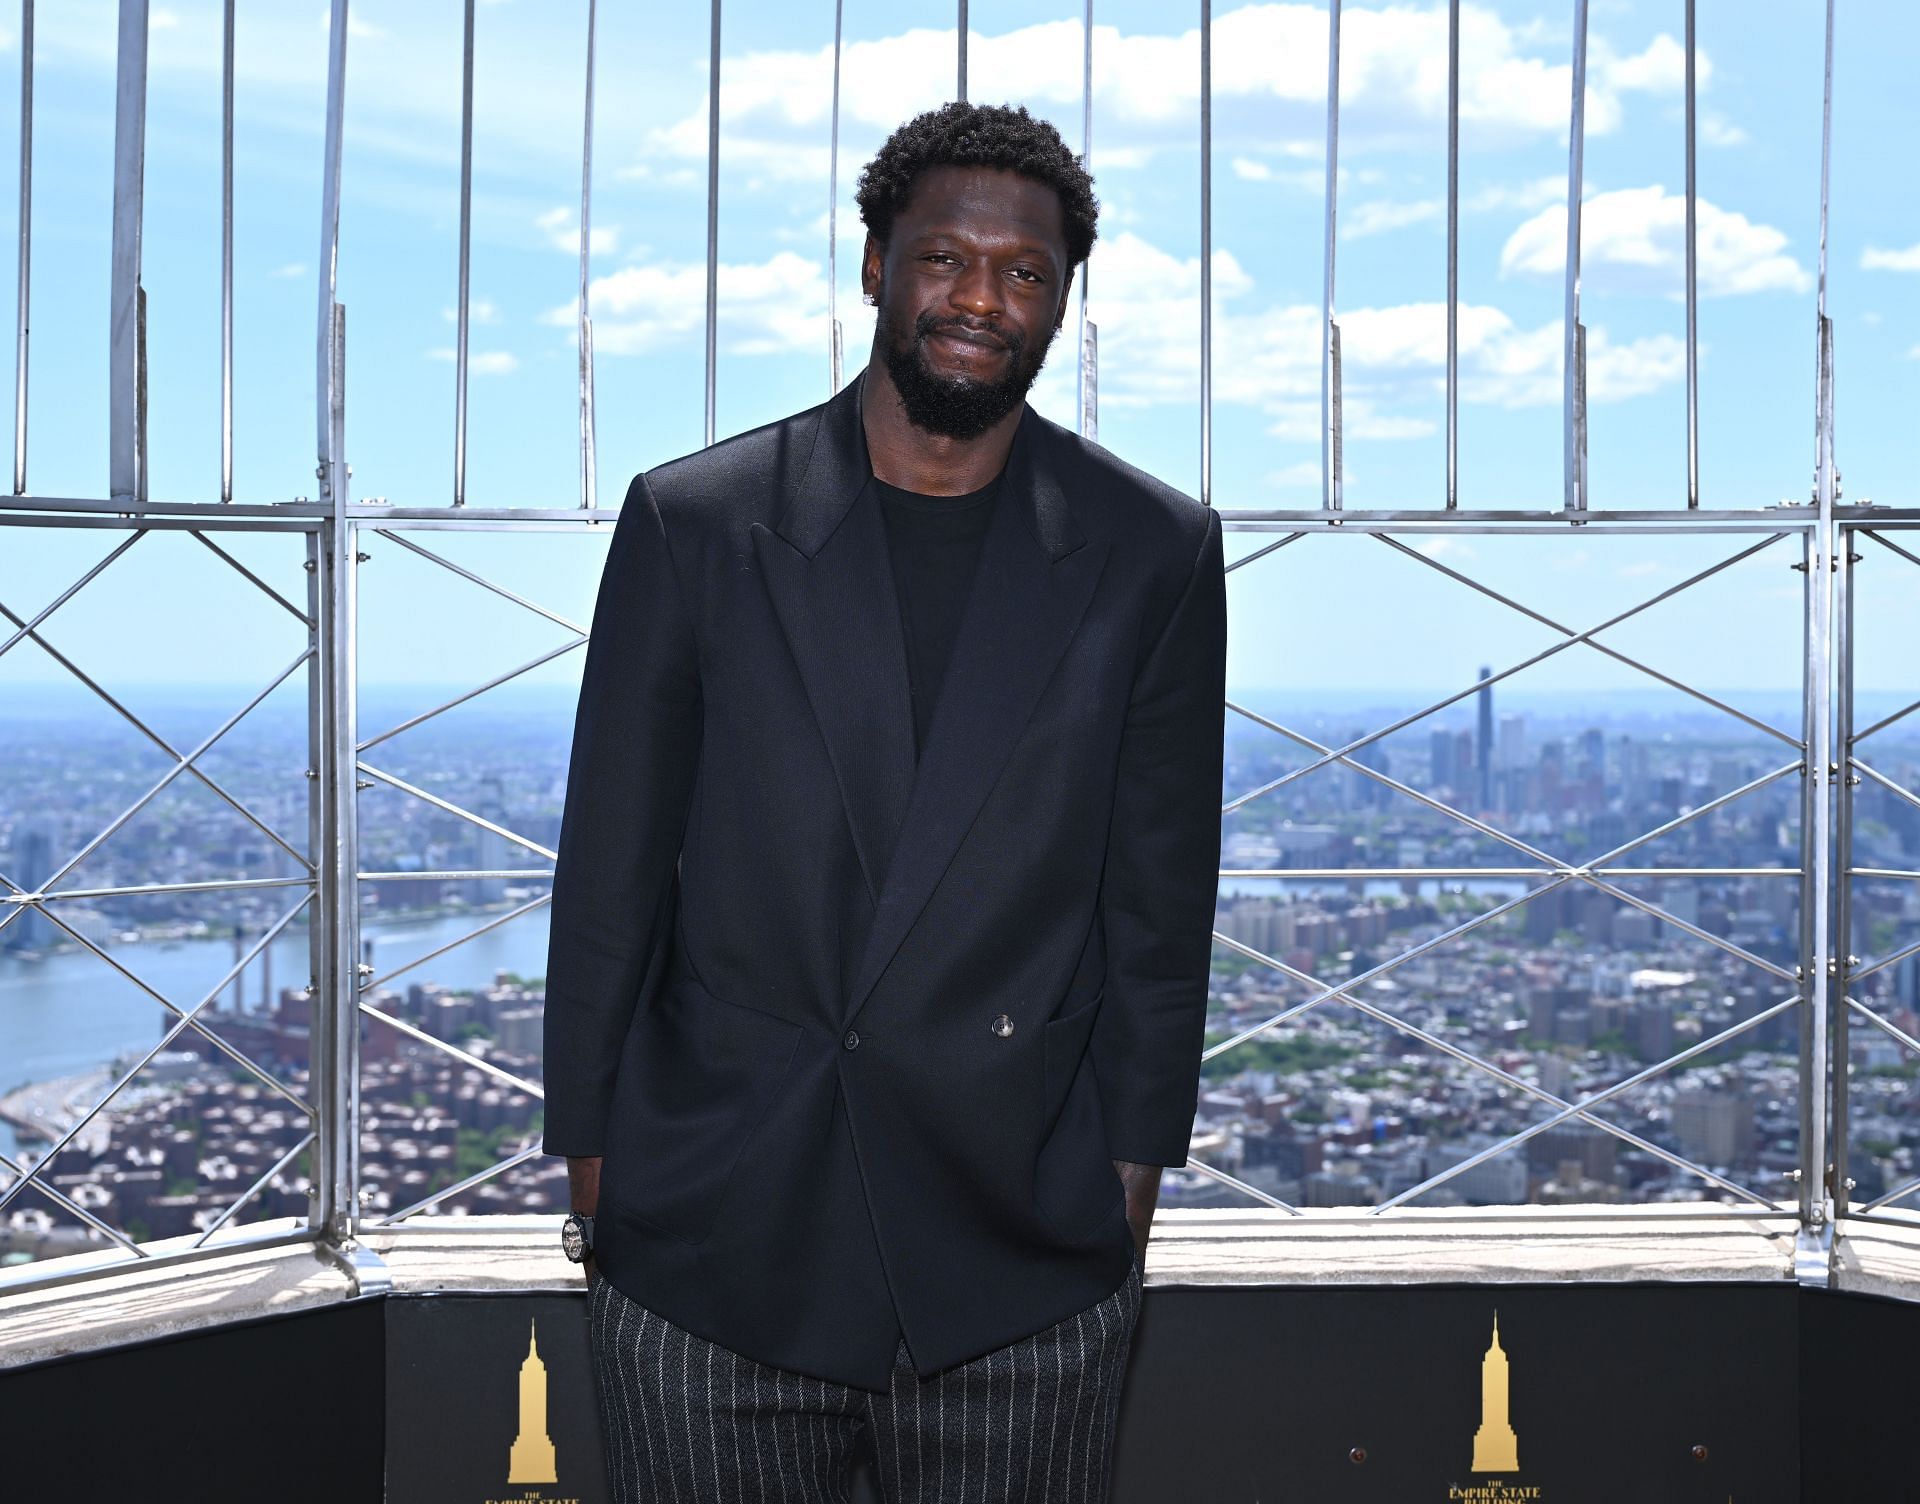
{"x": 1142, "y": 1184}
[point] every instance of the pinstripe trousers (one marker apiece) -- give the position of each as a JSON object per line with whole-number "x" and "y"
{"x": 688, "y": 1421}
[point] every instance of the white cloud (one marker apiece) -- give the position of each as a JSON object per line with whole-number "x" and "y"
{"x": 1616, "y": 372}
{"x": 1305, "y": 473}
{"x": 356, "y": 28}
{"x": 774, "y": 103}
{"x": 291, "y": 269}
{"x": 1634, "y": 238}
{"x": 562, "y": 229}
{"x": 766, "y": 307}
{"x": 1307, "y": 179}
{"x": 479, "y": 311}
{"x": 1661, "y": 68}
{"x": 1379, "y": 215}
{"x": 1535, "y": 194}
{"x": 1717, "y": 130}
{"x": 480, "y": 362}
{"x": 1874, "y": 259}
{"x": 1393, "y": 359}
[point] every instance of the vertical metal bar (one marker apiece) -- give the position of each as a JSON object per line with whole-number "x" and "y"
{"x": 22, "y": 299}
{"x": 962, "y": 28}
{"x": 1844, "y": 779}
{"x": 1330, "y": 488}
{"x": 1453, "y": 253}
{"x": 126, "y": 441}
{"x": 713, "y": 211}
{"x": 1206, "y": 252}
{"x": 330, "y": 445}
{"x": 1827, "y": 1074}
{"x": 1693, "y": 301}
{"x": 328, "y": 893}
{"x": 1813, "y": 1086}
{"x": 1575, "y": 349}
{"x": 1089, "y": 393}
{"x": 833, "y": 218}
{"x": 466, "y": 246}
{"x": 335, "y": 940}
{"x": 589, "y": 466}
{"x": 226, "y": 255}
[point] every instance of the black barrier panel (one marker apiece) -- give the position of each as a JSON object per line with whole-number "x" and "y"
{"x": 1595, "y": 1395}
{"x": 490, "y": 1401}
{"x": 1604, "y": 1394}
{"x": 1247, "y": 1395}
{"x": 289, "y": 1409}
{"x": 1857, "y": 1397}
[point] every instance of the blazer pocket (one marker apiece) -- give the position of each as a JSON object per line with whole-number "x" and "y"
{"x": 1075, "y": 1183}
{"x": 706, "y": 1072}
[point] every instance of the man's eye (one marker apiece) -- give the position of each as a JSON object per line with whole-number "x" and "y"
{"x": 1031, "y": 276}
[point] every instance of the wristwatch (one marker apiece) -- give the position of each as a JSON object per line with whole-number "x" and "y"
{"x": 576, "y": 1237}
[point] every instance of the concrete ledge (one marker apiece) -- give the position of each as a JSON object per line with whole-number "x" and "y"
{"x": 1878, "y": 1258}
{"x": 67, "y": 1307}
{"x": 1468, "y": 1245}
{"x": 136, "y": 1302}
{"x": 475, "y": 1253}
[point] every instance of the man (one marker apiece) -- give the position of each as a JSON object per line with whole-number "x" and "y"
{"x": 882, "y": 912}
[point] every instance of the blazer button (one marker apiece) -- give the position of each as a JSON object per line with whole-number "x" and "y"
{"x": 1001, "y": 1025}
{"x": 852, "y": 1040}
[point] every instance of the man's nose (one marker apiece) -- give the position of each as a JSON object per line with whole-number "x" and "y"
{"x": 977, "y": 291}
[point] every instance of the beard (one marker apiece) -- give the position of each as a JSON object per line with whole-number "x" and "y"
{"x": 956, "y": 407}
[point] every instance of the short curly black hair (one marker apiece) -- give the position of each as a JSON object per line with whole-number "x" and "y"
{"x": 962, "y": 134}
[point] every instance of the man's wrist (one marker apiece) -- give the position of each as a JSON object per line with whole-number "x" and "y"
{"x": 583, "y": 1184}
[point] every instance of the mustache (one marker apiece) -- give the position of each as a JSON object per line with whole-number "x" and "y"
{"x": 927, "y": 325}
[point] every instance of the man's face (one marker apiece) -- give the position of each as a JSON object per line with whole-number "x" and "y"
{"x": 971, "y": 288}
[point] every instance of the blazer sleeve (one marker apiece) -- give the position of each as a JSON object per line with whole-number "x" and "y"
{"x": 1162, "y": 876}
{"x": 636, "y": 746}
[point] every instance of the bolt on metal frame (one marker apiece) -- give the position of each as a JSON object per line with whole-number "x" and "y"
{"x": 333, "y": 529}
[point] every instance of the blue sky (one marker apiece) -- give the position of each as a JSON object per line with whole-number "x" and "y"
{"x": 1758, "y": 181}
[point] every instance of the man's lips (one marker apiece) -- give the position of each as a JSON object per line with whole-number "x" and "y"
{"x": 973, "y": 340}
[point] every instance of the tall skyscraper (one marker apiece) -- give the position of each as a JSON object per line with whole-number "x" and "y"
{"x": 1513, "y": 742}
{"x": 1440, "y": 756}
{"x": 1483, "y": 752}
{"x": 33, "y": 846}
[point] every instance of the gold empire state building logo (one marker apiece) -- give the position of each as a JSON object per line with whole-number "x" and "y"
{"x": 531, "y": 1460}
{"x": 1495, "y": 1448}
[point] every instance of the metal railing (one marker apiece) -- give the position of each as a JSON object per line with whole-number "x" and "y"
{"x": 1823, "y": 750}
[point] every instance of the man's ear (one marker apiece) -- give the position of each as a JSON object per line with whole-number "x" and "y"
{"x": 1066, "y": 297}
{"x": 872, "y": 258}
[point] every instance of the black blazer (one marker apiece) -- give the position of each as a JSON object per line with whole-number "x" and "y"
{"x": 859, "y": 1041}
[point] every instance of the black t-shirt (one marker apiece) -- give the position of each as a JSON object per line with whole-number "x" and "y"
{"x": 934, "y": 543}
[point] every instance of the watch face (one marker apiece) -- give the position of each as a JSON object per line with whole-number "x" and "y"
{"x": 572, "y": 1241}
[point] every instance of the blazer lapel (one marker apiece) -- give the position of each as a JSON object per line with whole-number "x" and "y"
{"x": 829, "y": 577}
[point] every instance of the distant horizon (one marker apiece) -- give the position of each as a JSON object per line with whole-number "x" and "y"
{"x": 212, "y": 686}
{"x": 43, "y": 698}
